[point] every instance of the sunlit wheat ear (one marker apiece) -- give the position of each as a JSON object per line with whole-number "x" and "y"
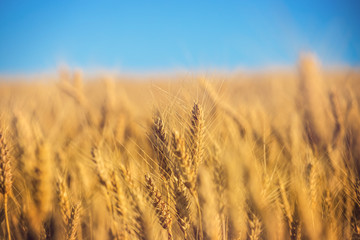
{"x": 5, "y": 178}
{"x": 41, "y": 180}
{"x": 290, "y": 218}
{"x": 182, "y": 205}
{"x": 117, "y": 194}
{"x": 182, "y": 161}
{"x": 195, "y": 143}
{"x": 162, "y": 148}
{"x": 162, "y": 210}
{"x": 117, "y": 201}
{"x": 196, "y": 148}
{"x": 102, "y": 176}
{"x": 63, "y": 199}
{"x": 255, "y": 227}
{"x": 313, "y": 182}
{"x": 73, "y": 222}
{"x": 5, "y": 168}
{"x": 196, "y": 134}
{"x": 99, "y": 168}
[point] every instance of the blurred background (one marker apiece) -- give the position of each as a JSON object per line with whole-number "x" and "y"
{"x": 143, "y": 36}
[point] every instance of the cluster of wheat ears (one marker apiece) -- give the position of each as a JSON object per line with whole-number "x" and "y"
{"x": 241, "y": 156}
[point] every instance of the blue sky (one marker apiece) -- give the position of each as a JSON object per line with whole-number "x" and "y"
{"x": 157, "y": 35}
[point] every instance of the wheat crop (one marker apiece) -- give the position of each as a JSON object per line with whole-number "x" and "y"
{"x": 248, "y": 155}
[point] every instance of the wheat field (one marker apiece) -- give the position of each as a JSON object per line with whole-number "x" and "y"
{"x": 262, "y": 155}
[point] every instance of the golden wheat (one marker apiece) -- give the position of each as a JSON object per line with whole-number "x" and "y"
{"x": 236, "y": 156}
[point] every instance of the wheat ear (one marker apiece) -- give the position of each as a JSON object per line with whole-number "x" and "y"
{"x": 5, "y": 178}
{"x": 161, "y": 147}
{"x": 183, "y": 167}
{"x": 73, "y": 222}
{"x": 182, "y": 205}
{"x": 63, "y": 200}
{"x": 196, "y": 134}
{"x": 161, "y": 207}
{"x": 255, "y": 227}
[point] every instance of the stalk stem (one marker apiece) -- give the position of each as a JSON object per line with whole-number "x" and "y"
{"x": 6, "y": 216}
